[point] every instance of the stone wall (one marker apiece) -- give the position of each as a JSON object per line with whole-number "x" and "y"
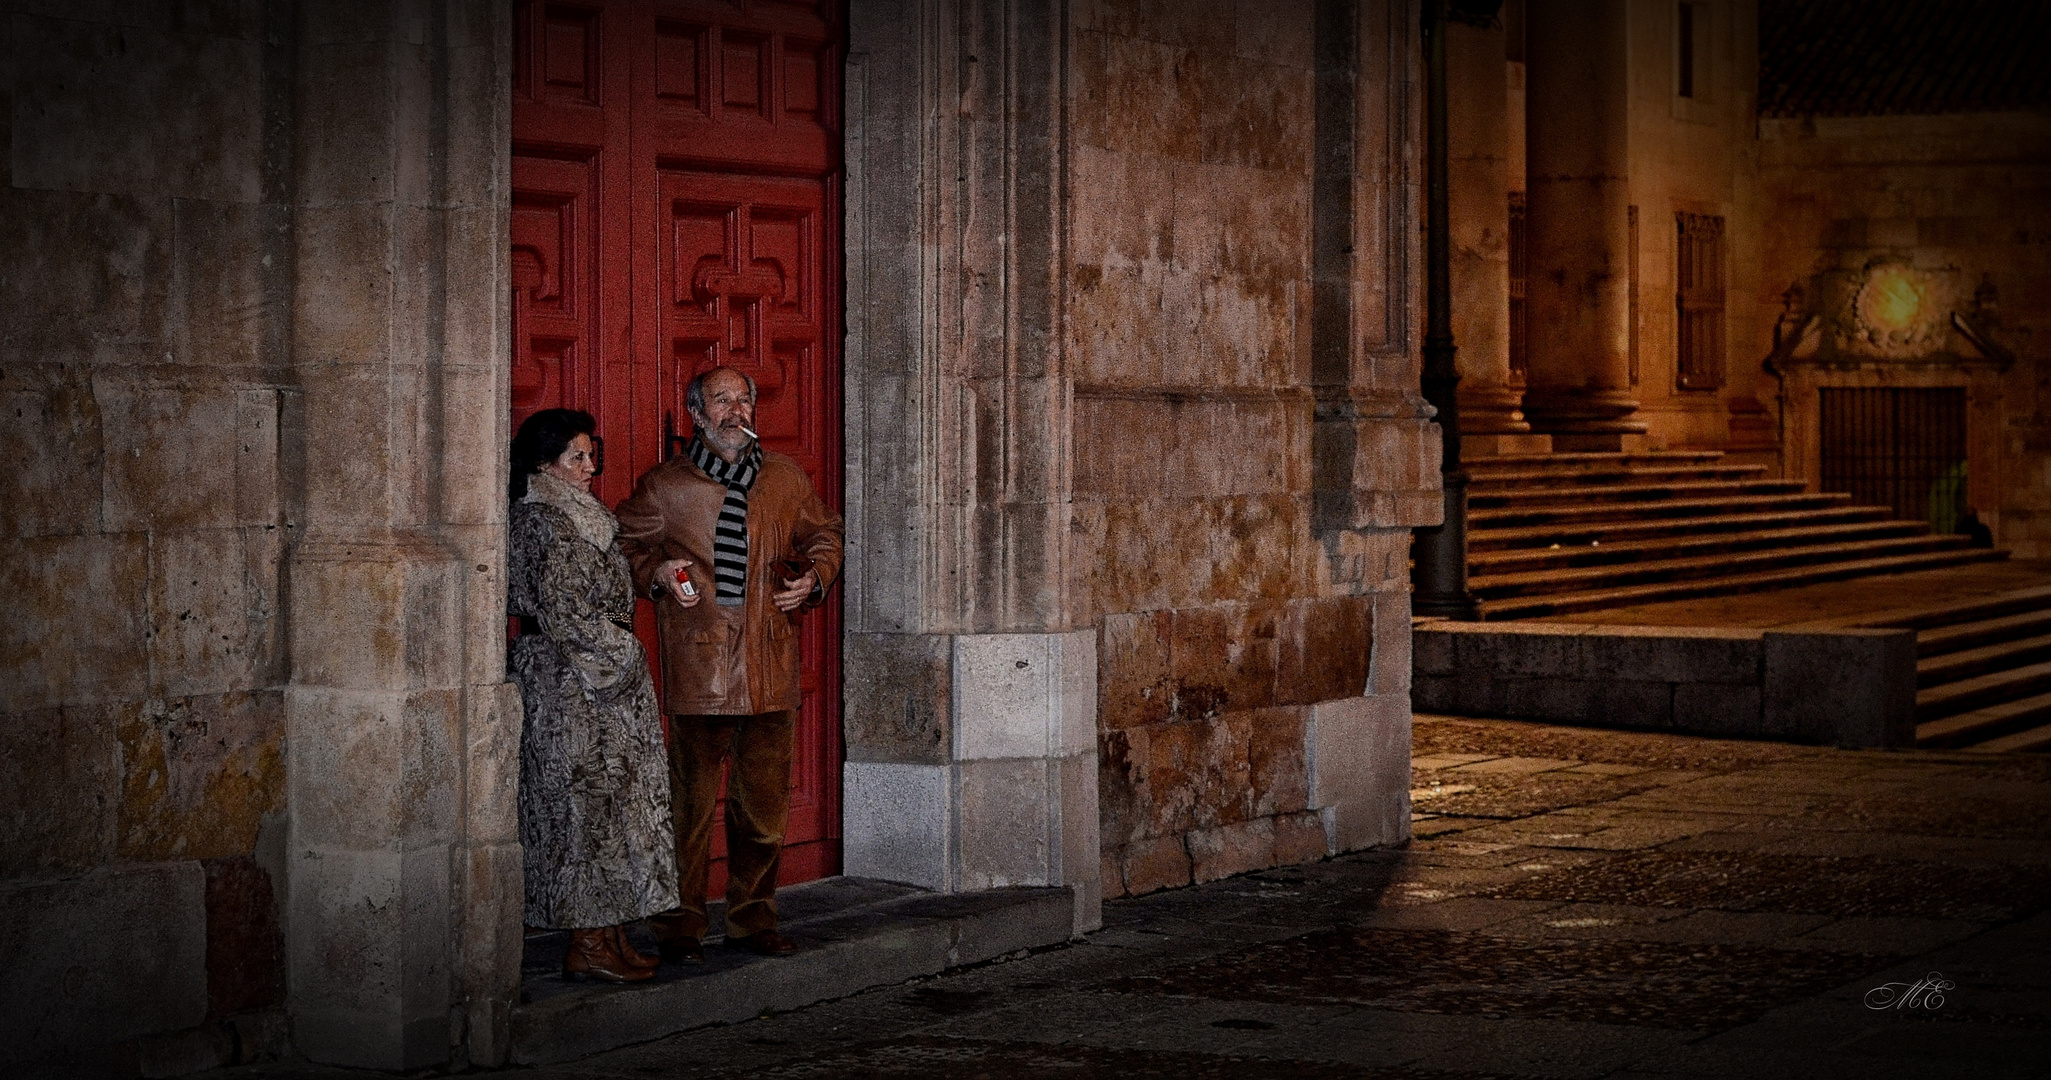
{"x": 1230, "y": 624}
{"x": 252, "y": 340}
{"x": 1132, "y": 459}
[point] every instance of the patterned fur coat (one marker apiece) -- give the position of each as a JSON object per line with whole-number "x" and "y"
{"x": 594, "y": 781}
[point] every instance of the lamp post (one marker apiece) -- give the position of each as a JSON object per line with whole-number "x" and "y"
{"x": 1439, "y": 554}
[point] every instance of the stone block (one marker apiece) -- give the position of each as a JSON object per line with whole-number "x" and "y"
{"x": 1005, "y": 829}
{"x": 171, "y": 453}
{"x": 1122, "y": 206}
{"x": 474, "y": 432}
{"x": 369, "y": 954}
{"x": 1150, "y": 865}
{"x": 200, "y": 774}
{"x": 1541, "y": 698}
{"x": 478, "y": 555}
{"x": 53, "y": 437}
{"x": 215, "y": 610}
{"x": 133, "y": 110}
{"x": 1299, "y": 838}
{"x": 1441, "y": 693}
{"x": 376, "y": 613}
{"x": 1123, "y": 758}
{"x": 1268, "y": 128}
{"x": 370, "y": 768}
{"x": 1360, "y": 770}
{"x": 1200, "y": 662}
{"x": 1694, "y": 654}
{"x": 97, "y": 959}
{"x": 1278, "y": 776}
{"x": 1701, "y": 708}
{"x": 1389, "y": 661}
{"x": 1241, "y": 220}
{"x": 245, "y": 945}
{"x": 898, "y": 697}
{"x": 341, "y": 300}
{"x": 1081, "y": 844}
{"x": 227, "y": 297}
{"x": 1848, "y": 687}
{"x": 489, "y": 950}
{"x": 1140, "y": 96}
{"x": 79, "y": 622}
{"x": 1024, "y": 695}
{"x": 1198, "y": 775}
{"x": 1253, "y": 541}
{"x": 897, "y": 822}
{"x": 1231, "y": 849}
{"x": 1133, "y": 668}
{"x": 256, "y": 459}
{"x": 1327, "y": 650}
{"x": 491, "y": 764}
{"x": 347, "y": 95}
{"x": 1631, "y": 703}
{"x": 60, "y": 788}
{"x": 1539, "y": 652}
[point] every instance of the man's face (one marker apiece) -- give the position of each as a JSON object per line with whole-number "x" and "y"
{"x": 729, "y": 407}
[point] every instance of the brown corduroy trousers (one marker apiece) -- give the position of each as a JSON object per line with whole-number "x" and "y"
{"x": 757, "y": 810}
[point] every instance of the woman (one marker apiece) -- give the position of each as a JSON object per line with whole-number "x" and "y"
{"x": 594, "y": 783}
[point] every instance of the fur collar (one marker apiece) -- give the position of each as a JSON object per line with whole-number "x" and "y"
{"x": 590, "y": 517}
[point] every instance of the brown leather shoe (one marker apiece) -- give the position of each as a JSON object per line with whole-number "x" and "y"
{"x": 681, "y": 950}
{"x": 632, "y": 957}
{"x": 764, "y": 943}
{"x": 594, "y": 955}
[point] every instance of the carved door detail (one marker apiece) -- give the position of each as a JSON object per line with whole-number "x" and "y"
{"x": 676, "y": 205}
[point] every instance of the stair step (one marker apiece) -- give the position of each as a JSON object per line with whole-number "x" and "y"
{"x": 1971, "y": 663}
{"x": 1540, "y": 536}
{"x": 1953, "y": 614}
{"x": 1582, "y": 513}
{"x": 1988, "y": 722}
{"x": 1478, "y": 466}
{"x": 2037, "y": 738}
{"x": 1498, "y": 586}
{"x": 1944, "y": 640}
{"x": 1533, "y": 607}
{"x": 1630, "y": 493}
{"x": 1604, "y": 554}
{"x": 1978, "y": 692}
{"x": 1626, "y": 475}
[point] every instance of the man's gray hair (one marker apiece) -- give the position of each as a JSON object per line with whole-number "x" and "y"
{"x": 694, "y": 394}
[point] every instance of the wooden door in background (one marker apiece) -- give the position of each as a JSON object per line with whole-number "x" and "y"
{"x": 676, "y": 205}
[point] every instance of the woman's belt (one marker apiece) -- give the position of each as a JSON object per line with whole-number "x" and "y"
{"x": 529, "y": 625}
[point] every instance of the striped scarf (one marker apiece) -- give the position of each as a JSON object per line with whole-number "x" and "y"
{"x": 730, "y": 536}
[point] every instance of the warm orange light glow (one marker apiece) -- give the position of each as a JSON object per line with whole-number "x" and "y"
{"x": 1892, "y": 300}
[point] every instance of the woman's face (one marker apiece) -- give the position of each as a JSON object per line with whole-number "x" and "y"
{"x": 575, "y": 466}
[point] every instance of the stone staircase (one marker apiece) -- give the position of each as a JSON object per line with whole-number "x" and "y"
{"x": 1983, "y": 672}
{"x": 1554, "y": 534}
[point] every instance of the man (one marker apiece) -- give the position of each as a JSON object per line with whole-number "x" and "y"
{"x": 729, "y": 648}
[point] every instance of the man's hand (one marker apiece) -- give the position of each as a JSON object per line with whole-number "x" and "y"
{"x": 795, "y": 592}
{"x": 667, "y": 575}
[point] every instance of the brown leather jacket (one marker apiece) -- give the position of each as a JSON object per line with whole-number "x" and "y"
{"x": 728, "y": 660}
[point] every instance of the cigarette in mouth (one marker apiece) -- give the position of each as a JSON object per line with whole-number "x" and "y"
{"x": 749, "y": 432}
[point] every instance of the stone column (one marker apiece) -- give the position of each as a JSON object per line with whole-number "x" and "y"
{"x": 971, "y": 707}
{"x": 1577, "y": 110}
{"x": 403, "y": 864}
{"x": 1478, "y": 136}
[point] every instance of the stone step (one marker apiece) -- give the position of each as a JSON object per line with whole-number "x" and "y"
{"x": 1958, "y": 613}
{"x": 1975, "y": 728}
{"x": 1629, "y": 493}
{"x": 1564, "y": 556}
{"x": 1533, "y": 607}
{"x": 1979, "y": 692}
{"x": 1543, "y": 536}
{"x": 1586, "y": 513}
{"x": 1540, "y": 582}
{"x": 1489, "y": 465}
{"x": 2037, "y": 739}
{"x": 1970, "y": 663}
{"x": 1943, "y": 640}
{"x": 1639, "y": 474}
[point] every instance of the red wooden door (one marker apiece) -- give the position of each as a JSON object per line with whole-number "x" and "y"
{"x": 676, "y": 205}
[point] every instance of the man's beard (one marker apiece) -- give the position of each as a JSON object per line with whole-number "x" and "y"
{"x": 728, "y": 441}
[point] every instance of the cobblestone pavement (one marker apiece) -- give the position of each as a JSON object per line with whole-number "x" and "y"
{"x": 1577, "y": 903}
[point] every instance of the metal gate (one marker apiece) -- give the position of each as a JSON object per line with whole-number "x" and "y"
{"x": 1900, "y": 448}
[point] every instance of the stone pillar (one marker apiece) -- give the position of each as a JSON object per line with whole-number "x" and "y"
{"x": 403, "y": 866}
{"x": 1478, "y": 135}
{"x": 970, "y": 719}
{"x": 1577, "y": 110}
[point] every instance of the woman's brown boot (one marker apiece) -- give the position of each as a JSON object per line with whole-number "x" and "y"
{"x": 634, "y": 958}
{"x": 595, "y": 954}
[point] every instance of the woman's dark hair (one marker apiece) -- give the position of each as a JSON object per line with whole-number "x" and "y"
{"x": 542, "y": 438}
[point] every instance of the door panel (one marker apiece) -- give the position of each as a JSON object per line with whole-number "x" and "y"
{"x": 676, "y": 205}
